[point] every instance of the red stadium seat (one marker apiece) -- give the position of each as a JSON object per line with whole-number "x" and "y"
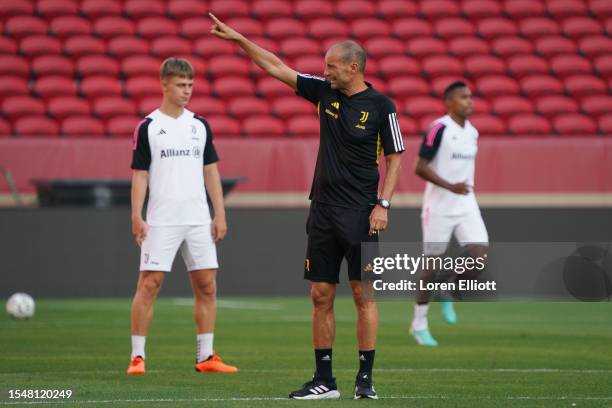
{"x": 477, "y": 9}
{"x": 377, "y": 83}
{"x": 5, "y": 128}
{"x": 493, "y": 27}
{"x": 583, "y": 85}
{"x": 96, "y": 86}
{"x": 50, "y": 86}
{"x": 439, "y": 65}
{"x": 14, "y": 65}
{"x": 97, "y": 65}
{"x": 480, "y": 65}
{"x": 143, "y": 65}
{"x": 508, "y": 46}
{"x": 17, "y": 106}
{"x": 566, "y": 65}
{"x": 23, "y": 25}
{"x": 521, "y": 65}
{"x": 113, "y": 26}
{"x": 439, "y": 84}
{"x": 151, "y": 27}
{"x": 271, "y": 88}
{"x": 408, "y": 28}
{"x": 248, "y": 27}
{"x": 593, "y": 46}
{"x": 52, "y": 65}
{"x": 242, "y": 107}
{"x": 600, "y": 8}
{"x": 122, "y": 126}
{"x": 603, "y": 65}
{"x": 574, "y": 124}
{"x": 228, "y": 65}
{"x": 149, "y": 104}
{"x": 93, "y": 9}
{"x": 109, "y": 106}
{"x": 370, "y": 27}
{"x": 39, "y": 45}
{"x": 310, "y": 64}
{"x": 566, "y": 8}
{"x": 15, "y": 8}
{"x": 426, "y": 122}
{"x": 228, "y": 87}
{"x": 140, "y": 87}
{"x": 168, "y": 46}
{"x": 518, "y": 9}
{"x": 181, "y": 9}
{"x": 265, "y": 42}
{"x": 223, "y": 126}
{"x": 452, "y": 27}
{"x": 206, "y": 105}
{"x": 605, "y": 125}
{"x": 39, "y": 125}
{"x": 354, "y": 9}
{"x": 13, "y": 85}
{"x": 597, "y": 105}
{"x": 66, "y": 26}
{"x": 539, "y": 85}
{"x": 266, "y": 9}
{"x": 282, "y": 28}
{"x": 382, "y": 46}
{"x": 551, "y": 46}
{"x": 608, "y": 26}
{"x": 225, "y": 9}
{"x": 393, "y": 9}
{"x": 210, "y": 47}
{"x": 327, "y": 27}
{"x": 295, "y": 47}
{"x": 424, "y": 105}
{"x": 195, "y": 28}
{"x": 200, "y": 88}
{"x": 576, "y": 27}
{"x": 263, "y": 126}
{"x": 82, "y": 126}
{"x": 433, "y": 9}
{"x": 480, "y": 105}
{"x": 397, "y": 65}
{"x": 288, "y": 106}
{"x": 465, "y": 46}
{"x": 7, "y": 45}
{"x": 496, "y": 86}
{"x": 126, "y": 46}
{"x": 303, "y": 126}
{"x": 78, "y": 46}
{"x": 529, "y": 125}
{"x": 421, "y": 47}
{"x": 311, "y": 9}
{"x": 505, "y": 106}
{"x": 54, "y": 8}
{"x": 61, "y": 107}
{"x": 552, "y": 105}
{"x": 137, "y": 9}
{"x": 402, "y": 87}
{"x": 408, "y": 126}
{"x": 533, "y": 28}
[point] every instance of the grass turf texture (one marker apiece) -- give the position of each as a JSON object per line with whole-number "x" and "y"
{"x": 510, "y": 354}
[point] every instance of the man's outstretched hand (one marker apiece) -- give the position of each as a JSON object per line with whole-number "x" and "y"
{"x": 222, "y": 30}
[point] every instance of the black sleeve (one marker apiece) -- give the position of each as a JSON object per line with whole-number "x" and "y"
{"x": 311, "y": 87}
{"x": 431, "y": 141}
{"x": 389, "y": 130}
{"x": 141, "y": 154}
{"x": 210, "y": 153}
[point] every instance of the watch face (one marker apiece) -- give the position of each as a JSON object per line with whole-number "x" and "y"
{"x": 384, "y": 203}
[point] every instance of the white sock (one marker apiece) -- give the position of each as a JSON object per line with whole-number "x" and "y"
{"x": 419, "y": 322}
{"x": 205, "y": 346}
{"x": 138, "y": 346}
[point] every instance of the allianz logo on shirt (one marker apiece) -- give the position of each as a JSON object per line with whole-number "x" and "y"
{"x": 463, "y": 156}
{"x": 195, "y": 152}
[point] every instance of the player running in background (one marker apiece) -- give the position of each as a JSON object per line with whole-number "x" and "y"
{"x": 174, "y": 156}
{"x": 357, "y": 123}
{"x": 446, "y": 161}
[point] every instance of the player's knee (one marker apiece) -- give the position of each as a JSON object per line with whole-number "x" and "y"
{"x": 321, "y": 298}
{"x": 205, "y": 289}
{"x": 149, "y": 287}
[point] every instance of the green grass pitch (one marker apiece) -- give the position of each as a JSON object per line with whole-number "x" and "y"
{"x": 506, "y": 354}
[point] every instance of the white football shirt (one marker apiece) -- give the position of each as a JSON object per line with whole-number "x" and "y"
{"x": 173, "y": 151}
{"x": 451, "y": 150}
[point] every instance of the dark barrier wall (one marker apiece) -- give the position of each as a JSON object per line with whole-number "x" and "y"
{"x": 85, "y": 252}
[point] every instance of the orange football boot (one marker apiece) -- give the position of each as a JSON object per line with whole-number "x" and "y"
{"x": 137, "y": 366}
{"x": 213, "y": 364}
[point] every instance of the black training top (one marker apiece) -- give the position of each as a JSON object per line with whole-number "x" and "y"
{"x": 354, "y": 129}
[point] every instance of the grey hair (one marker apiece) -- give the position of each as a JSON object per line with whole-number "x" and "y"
{"x": 353, "y": 52}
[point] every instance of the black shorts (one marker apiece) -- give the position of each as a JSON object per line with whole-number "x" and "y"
{"x": 335, "y": 233}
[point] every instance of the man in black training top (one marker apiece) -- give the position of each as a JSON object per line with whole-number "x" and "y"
{"x": 357, "y": 123}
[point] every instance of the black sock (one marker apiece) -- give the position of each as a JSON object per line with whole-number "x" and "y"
{"x": 323, "y": 360}
{"x": 366, "y": 361}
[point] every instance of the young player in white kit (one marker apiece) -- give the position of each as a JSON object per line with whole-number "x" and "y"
{"x": 447, "y": 161}
{"x": 174, "y": 156}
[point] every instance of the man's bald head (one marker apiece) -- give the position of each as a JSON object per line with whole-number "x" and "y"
{"x": 351, "y": 52}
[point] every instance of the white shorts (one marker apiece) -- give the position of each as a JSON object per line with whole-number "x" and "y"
{"x": 438, "y": 229}
{"x": 197, "y": 248}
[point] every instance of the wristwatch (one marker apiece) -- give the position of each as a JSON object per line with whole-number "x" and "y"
{"x": 384, "y": 203}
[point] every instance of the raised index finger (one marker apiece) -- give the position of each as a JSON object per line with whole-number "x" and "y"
{"x": 214, "y": 18}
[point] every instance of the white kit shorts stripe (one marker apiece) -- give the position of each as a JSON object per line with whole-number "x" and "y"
{"x": 195, "y": 241}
